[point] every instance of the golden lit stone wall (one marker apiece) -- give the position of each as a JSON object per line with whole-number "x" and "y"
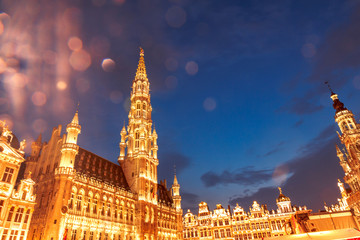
{"x": 16, "y": 204}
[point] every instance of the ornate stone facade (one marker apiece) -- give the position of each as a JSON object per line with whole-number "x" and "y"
{"x": 258, "y": 223}
{"x": 350, "y": 155}
{"x": 84, "y": 196}
{"x": 16, "y": 203}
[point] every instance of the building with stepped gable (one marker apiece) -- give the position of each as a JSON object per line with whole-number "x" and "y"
{"x": 17, "y": 199}
{"x": 81, "y": 195}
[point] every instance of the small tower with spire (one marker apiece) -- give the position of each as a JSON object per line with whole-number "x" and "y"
{"x": 283, "y": 202}
{"x": 176, "y": 193}
{"x": 70, "y": 148}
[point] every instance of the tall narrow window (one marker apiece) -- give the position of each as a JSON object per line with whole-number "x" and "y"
{"x": 27, "y": 215}
{"x": 1, "y": 205}
{"x": 11, "y": 212}
{"x": 71, "y": 203}
{"x": 137, "y": 141}
{"x": 108, "y": 209}
{"x": 9, "y": 172}
{"x": 95, "y": 203}
{"x": 73, "y": 234}
{"x": 78, "y": 202}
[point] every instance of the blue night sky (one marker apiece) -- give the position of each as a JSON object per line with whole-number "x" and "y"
{"x": 237, "y": 87}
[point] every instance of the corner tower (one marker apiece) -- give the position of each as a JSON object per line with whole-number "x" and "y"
{"x": 350, "y": 138}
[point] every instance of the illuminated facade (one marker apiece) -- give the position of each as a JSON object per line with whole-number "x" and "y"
{"x": 258, "y": 223}
{"x": 84, "y": 196}
{"x": 350, "y": 156}
{"x": 16, "y": 203}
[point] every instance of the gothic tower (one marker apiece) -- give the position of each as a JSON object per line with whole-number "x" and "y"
{"x": 176, "y": 193}
{"x": 350, "y": 138}
{"x": 138, "y": 152}
{"x": 70, "y": 148}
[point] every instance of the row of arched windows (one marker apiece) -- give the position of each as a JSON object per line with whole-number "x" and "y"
{"x": 100, "y": 207}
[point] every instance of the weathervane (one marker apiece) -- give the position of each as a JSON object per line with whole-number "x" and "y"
{"x": 328, "y": 85}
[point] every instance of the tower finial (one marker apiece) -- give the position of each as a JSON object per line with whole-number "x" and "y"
{"x": 77, "y": 107}
{"x": 280, "y": 190}
{"x": 141, "y": 70}
{"x": 328, "y": 85}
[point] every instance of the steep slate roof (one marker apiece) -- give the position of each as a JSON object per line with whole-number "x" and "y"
{"x": 164, "y": 195}
{"x": 104, "y": 170}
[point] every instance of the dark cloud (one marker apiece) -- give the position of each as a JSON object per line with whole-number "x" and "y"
{"x": 168, "y": 160}
{"x": 327, "y": 133}
{"x": 190, "y": 201}
{"x": 340, "y": 51}
{"x": 337, "y": 61}
{"x": 265, "y": 195}
{"x": 300, "y": 106}
{"x": 313, "y": 179}
{"x": 243, "y": 176}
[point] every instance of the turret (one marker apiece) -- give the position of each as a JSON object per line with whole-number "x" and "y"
{"x": 155, "y": 146}
{"x": 283, "y": 202}
{"x": 176, "y": 194}
{"x": 343, "y": 117}
{"x": 70, "y": 148}
{"x": 342, "y": 188}
{"x": 344, "y": 164}
{"x": 36, "y": 147}
{"x": 122, "y": 145}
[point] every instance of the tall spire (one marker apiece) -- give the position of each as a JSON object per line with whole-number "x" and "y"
{"x": 337, "y": 105}
{"x": 75, "y": 119}
{"x": 141, "y": 70}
